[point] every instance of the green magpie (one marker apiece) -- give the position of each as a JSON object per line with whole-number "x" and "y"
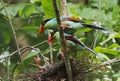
{"x": 72, "y": 43}
{"x": 69, "y": 25}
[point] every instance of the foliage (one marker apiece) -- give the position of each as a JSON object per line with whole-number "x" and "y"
{"x": 27, "y": 17}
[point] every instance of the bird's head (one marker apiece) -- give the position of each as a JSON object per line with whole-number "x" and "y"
{"x": 42, "y": 26}
{"x": 52, "y": 36}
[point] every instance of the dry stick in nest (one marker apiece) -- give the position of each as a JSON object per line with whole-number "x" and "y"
{"x": 56, "y": 73}
{"x": 66, "y": 57}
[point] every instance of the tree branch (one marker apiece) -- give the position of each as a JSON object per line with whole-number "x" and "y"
{"x": 103, "y": 64}
{"x": 51, "y": 51}
{"x": 64, "y": 7}
{"x": 13, "y": 32}
{"x": 12, "y": 27}
{"x": 66, "y": 57}
{"x": 23, "y": 48}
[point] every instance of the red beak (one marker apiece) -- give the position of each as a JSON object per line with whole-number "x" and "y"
{"x": 41, "y": 30}
{"x": 50, "y": 39}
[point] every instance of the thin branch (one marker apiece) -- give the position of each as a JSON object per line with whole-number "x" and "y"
{"x": 103, "y": 64}
{"x": 23, "y": 48}
{"x": 66, "y": 57}
{"x": 98, "y": 23}
{"x": 11, "y": 25}
{"x": 13, "y": 32}
{"x": 64, "y": 7}
{"x": 39, "y": 44}
{"x": 51, "y": 51}
{"x": 32, "y": 48}
{"x": 14, "y": 52}
{"x": 100, "y": 66}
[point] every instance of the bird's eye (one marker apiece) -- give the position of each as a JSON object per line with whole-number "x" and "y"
{"x": 52, "y": 33}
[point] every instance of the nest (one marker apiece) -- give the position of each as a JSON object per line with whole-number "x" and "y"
{"x": 57, "y": 72}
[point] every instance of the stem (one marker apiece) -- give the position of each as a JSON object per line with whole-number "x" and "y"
{"x": 25, "y": 47}
{"x": 51, "y": 51}
{"x": 100, "y": 66}
{"x": 66, "y": 57}
{"x": 13, "y": 32}
{"x": 98, "y": 22}
{"x": 103, "y": 64}
{"x": 64, "y": 7}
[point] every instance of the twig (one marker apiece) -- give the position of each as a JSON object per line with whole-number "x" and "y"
{"x": 11, "y": 25}
{"x": 23, "y": 48}
{"x": 99, "y": 66}
{"x": 66, "y": 57}
{"x": 30, "y": 47}
{"x": 64, "y": 7}
{"x": 13, "y": 32}
{"x": 39, "y": 44}
{"x": 98, "y": 23}
{"x": 103, "y": 64}
{"x": 51, "y": 51}
{"x": 15, "y": 52}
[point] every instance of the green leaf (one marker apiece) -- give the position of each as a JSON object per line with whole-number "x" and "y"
{"x": 111, "y": 36}
{"x": 13, "y": 9}
{"x": 32, "y": 28}
{"x": 106, "y": 50}
{"x": 116, "y": 12}
{"x": 27, "y": 10}
{"x": 115, "y": 45}
{"x": 28, "y": 58}
{"x": 5, "y": 33}
{"x": 82, "y": 31}
{"x": 105, "y": 3}
{"x": 110, "y": 51}
{"x": 5, "y": 38}
{"x": 92, "y": 13}
{"x": 116, "y": 75}
{"x": 109, "y": 3}
{"x": 33, "y": 1}
{"x": 118, "y": 55}
{"x": 30, "y": 31}
{"x": 117, "y": 35}
{"x": 104, "y": 57}
{"x": 48, "y": 8}
{"x": 73, "y": 9}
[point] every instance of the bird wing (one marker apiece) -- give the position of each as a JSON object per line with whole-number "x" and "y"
{"x": 72, "y": 38}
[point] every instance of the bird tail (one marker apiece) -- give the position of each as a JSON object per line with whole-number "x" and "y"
{"x": 84, "y": 46}
{"x": 98, "y": 27}
{"x": 101, "y": 58}
{"x": 93, "y": 26}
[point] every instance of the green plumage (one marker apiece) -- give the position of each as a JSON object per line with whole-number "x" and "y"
{"x": 51, "y": 24}
{"x": 71, "y": 25}
{"x": 74, "y": 44}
